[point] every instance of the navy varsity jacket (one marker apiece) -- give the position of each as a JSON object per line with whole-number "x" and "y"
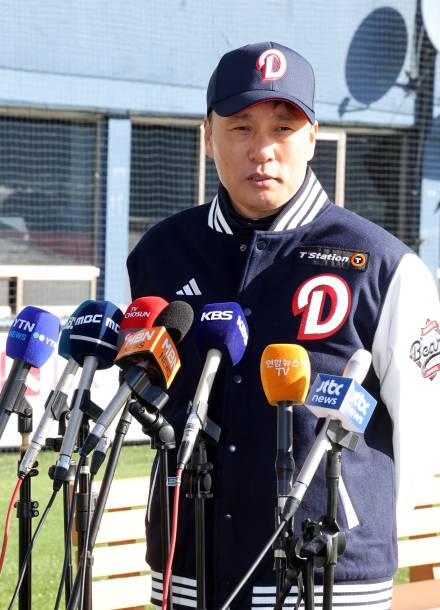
{"x": 333, "y": 282}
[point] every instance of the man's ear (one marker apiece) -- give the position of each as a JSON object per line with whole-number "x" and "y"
{"x": 312, "y": 139}
{"x": 208, "y": 138}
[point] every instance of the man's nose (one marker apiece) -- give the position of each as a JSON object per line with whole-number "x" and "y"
{"x": 261, "y": 149}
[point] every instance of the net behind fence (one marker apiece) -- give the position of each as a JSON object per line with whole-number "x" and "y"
{"x": 377, "y": 102}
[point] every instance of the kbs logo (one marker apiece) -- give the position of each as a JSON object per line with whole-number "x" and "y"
{"x": 316, "y": 295}
{"x": 243, "y": 329}
{"x": 272, "y": 63}
{"x": 216, "y": 315}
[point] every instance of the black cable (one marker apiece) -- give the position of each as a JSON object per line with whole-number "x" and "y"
{"x": 68, "y": 539}
{"x": 85, "y": 554}
{"x": 254, "y": 565}
{"x": 29, "y": 551}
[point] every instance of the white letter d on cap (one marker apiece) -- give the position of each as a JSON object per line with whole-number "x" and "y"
{"x": 272, "y": 63}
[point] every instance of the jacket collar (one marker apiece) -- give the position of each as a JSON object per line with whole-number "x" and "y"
{"x": 299, "y": 211}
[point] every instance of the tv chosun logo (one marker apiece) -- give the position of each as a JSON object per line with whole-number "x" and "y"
{"x": 425, "y": 351}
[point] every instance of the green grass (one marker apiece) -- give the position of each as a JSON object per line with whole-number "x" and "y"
{"x": 47, "y": 556}
{"x": 49, "y": 548}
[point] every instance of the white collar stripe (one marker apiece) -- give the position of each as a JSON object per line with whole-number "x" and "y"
{"x": 315, "y": 209}
{"x": 211, "y": 212}
{"x": 221, "y": 219}
{"x": 295, "y": 219}
{"x": 299, "y": 218}
{"x": 285, "y": 220}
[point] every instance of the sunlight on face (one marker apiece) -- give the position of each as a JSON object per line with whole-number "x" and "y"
{"x": 261, "y": 155}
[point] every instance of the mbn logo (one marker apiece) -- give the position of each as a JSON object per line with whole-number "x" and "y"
{"x": 169, "y": 352}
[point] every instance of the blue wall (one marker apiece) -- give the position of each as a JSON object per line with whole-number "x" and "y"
{"x": 143, "y": 56}
{"x": 156, "y": 57}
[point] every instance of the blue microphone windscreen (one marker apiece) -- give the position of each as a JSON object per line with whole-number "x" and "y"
{"x": 222, "y": 326}
{"x": 33, "y": 336}
{"x": 64, "y": 342}
{"x": 95, "y": 333}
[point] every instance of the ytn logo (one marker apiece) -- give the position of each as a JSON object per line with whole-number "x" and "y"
{"x": 23, "y": 325}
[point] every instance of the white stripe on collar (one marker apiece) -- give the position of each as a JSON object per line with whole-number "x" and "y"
{"x": 298, "y": 213}
{"x": 305, "y": 208}
{"x": 216, "y": 220}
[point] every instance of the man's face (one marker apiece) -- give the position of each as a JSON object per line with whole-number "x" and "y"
{"x": 261, "y": 155}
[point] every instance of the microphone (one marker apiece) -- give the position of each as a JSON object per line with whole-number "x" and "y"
{"x": 285, "y": 376}
{"x": 141, "y": 313}
{"x": 221, "y": 334}
{"x": 57, "y": 400}
{"x": 343, "y": 398}
{"x": 30, "y": 342}
{"x": 347, "y": 407}
{"x": 153, "y": 353}
{"x": 93, "y": 345}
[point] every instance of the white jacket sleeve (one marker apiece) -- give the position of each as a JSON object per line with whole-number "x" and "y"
{"x": 406, "y": 359}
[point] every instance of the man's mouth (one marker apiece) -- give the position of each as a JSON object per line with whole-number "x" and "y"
{"x": 260, "y": 178}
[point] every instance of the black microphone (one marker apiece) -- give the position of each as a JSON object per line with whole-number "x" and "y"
{"x": 148, "y": 354}
{"x": 93, "y": 344}
{"x": 221, "y": 333}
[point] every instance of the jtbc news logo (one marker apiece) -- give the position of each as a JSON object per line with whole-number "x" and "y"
{"x": 353, "y": 404}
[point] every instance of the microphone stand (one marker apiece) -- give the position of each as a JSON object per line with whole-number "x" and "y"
{"x": 200, "y": 490}
{"x": 322, "y": 541}
{"x": 285, "y": 468}
{"x": 55, "y": 445}
{"x": 150, "y": 422}
{"x": 26, "y": 508}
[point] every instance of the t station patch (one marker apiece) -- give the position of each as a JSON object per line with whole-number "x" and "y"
{"x": 425, "y": 351}
{"x": 337, "y": 258}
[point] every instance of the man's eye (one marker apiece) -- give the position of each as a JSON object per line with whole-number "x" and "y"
{"x": 240, "y": 128}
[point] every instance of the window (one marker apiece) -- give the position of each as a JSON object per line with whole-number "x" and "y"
{"x": 47, "y": 191}
{"x": 164, "y": 174}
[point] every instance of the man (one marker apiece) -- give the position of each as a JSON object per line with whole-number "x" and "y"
{"x": 309, "y": 272}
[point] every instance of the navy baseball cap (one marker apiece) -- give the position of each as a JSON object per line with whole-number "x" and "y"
{"x": 260, "y": 72}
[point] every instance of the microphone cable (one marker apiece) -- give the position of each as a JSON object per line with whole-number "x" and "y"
{"x": 29, "y": 551}
{"x": 167, "y": 575}
{"x": 68, "y": 538}
{"x": 8, "y": 522}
